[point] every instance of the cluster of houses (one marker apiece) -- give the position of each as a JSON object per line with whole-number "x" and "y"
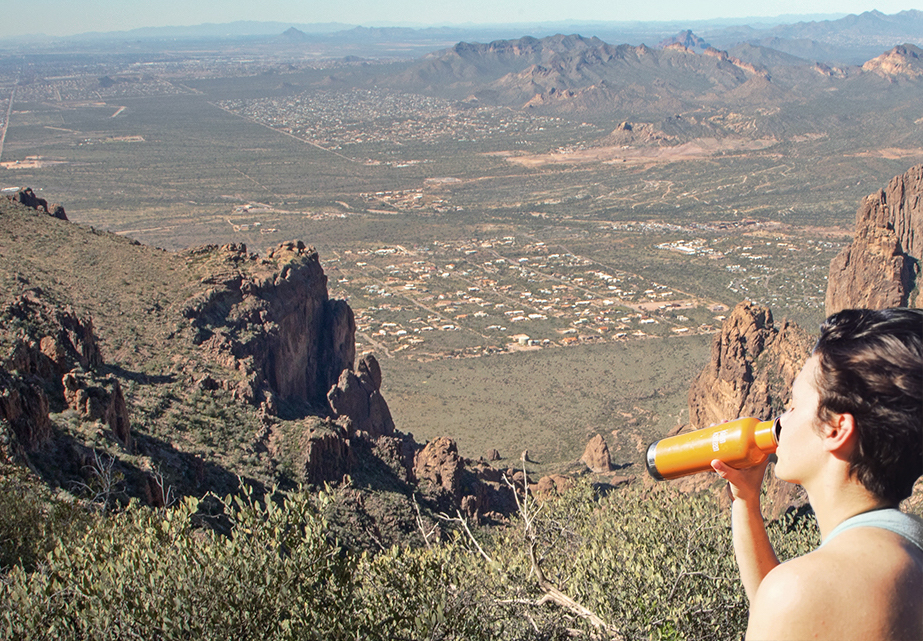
{"x": 502, "y": 294}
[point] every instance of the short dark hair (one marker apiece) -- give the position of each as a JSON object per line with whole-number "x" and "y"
{"x": 871, "y": 366}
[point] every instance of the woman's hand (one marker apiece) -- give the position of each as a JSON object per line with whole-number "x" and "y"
{"x": 744, "y": 484}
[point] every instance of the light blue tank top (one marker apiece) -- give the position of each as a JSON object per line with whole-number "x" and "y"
{"x": 908, "y": 526}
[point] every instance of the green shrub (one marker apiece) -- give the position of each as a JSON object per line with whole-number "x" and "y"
{"x": 31, "y": 520}
{"x": 651, "y": 565}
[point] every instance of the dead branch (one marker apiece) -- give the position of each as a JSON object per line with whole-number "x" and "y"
{"x": 420, "y": 524}
{"x": 464, "y": 522}
{"x": 552, "y": 593}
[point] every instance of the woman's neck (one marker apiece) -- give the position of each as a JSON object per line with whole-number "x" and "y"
{"x": 833, "y": 503}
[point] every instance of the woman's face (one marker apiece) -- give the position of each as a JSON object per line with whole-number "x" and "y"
{"x": 799, "y": 440}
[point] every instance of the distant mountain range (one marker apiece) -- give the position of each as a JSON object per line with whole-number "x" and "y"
{"x": 574, "y": 74}
{"x": 852, "y": 39}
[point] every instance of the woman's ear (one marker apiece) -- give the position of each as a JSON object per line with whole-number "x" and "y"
{"x": 840, "y": 434}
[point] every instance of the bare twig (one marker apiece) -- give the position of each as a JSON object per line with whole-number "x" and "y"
{"x": 552, "y": 593}
{"x": 464, "y": 522}
{"x": 166, "y": 490}
{"x": 683, "y": 573}
{"x": 104, "y": 479}
{"x": 420, "y": 525}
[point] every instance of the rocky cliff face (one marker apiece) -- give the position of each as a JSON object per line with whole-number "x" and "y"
{"x": 881, "y": 268}
{"x": 53, "y": 359}
{"x": 753, "y": 364}
{"x": 271, "y": 319}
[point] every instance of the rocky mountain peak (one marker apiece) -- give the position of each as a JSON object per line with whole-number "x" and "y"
{"x": 880, "y": 268}
{"x": 685, "y": 39}
{"x": 294, "y": 35}
{"x": 904, "y": 60}
{"x": 754, "y": 361}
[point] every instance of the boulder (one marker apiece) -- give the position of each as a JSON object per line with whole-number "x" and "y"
{"x": 552, "y": 485}
{"x": 439, "y": 464}
{"x": 596, "y": 455}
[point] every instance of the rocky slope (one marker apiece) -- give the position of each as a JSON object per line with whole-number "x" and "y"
{"x": 183, "y": 373}
{"x": 881, "y": 268}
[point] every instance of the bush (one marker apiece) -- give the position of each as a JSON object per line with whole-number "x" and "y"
{"x": 654, "y": 565}
{"x": 31, "y": 520}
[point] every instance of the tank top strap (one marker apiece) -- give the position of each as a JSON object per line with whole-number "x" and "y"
{"x": 907, "y": 525}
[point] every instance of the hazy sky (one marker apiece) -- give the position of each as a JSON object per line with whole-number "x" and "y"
{"x": 65, "y": 17}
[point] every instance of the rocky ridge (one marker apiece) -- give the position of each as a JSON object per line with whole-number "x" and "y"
{"x": 27, "y": 197}
{"x": 242, "y": 342}
{"x": 903, "y": 61}
{"x": 881, "y": 267}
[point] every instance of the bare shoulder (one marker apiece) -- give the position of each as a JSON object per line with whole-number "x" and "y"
{"x": 787, "y": 602}
{"x": 863, "y": 585}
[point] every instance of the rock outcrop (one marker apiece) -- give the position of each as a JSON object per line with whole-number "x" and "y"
{"x": 24, "y": 410}
{"x": 27, "y": 197}
{"x": 439, "y": 464}
{"x": 269, "y": 322}
{"x": 753, "y": 364}
{"x": 98, "y": 398}
{"x": 357, "y": 396}
{"x": 320, "y": 452}
{"x": 40, "y": 357}
{"x": 273, "y": 321}
{"x": 881, "y": 267}
{"x": 596, "y": 455}
{"x": 454, "y": 482}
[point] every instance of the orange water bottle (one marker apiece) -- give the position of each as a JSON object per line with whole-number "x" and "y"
{"x": 741, "y": 443}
